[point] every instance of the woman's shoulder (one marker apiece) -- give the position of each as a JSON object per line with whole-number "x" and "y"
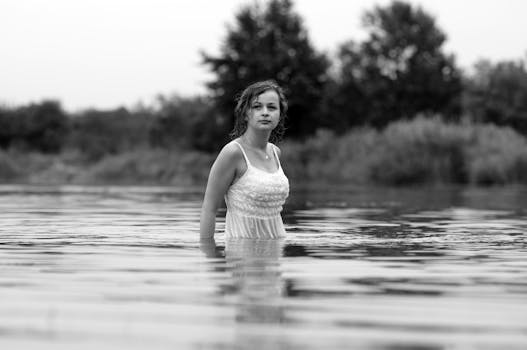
{"x": 233, "y": 147}
{"x": 230, "y": 152}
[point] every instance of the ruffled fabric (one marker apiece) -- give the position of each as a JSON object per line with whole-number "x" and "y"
{"x": 239, "y": 226}
{"x": 254, "y": 203}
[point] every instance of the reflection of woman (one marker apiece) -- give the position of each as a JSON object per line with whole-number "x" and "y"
{"x": 247, "y": 171}
{"x": 259, "y": 287}
{"x": 256, "y": 274}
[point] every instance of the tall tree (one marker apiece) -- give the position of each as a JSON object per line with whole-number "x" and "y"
{"x": 269, "y": 42}
{"x": 399, "y": 71}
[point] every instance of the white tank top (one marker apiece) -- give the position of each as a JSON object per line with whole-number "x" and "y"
{"x": 254, "y": 202}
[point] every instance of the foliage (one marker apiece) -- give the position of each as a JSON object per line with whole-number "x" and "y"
{"x": 497, "y": 93}
{"x": 269, "y": 43}
{"x": 173, "y": 167}
{"x": 398, "y": 72}
{"x": 8, "y": 168}
{"x": 496, "y": 155}
{"x": 37, "y": 126}
{"x": 97, "y": 133}
{"x": 184, "y": 123}
{"x": 140, "y": 166}
{"x": 358, "y": 123}
{"x": 423, "y": 150}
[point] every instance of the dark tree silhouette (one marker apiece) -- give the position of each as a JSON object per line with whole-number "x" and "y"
{"x": 497, "y": 93}
{"x": 269, "y": 43}
{"x": 184, "y": 122}
{"x": 39, "y": 126}
{"x": 399, "y": 71}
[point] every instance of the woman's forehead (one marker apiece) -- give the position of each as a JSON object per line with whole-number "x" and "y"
{"x": 267, "y": 96}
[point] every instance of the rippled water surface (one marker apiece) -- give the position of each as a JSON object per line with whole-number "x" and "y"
{"x": 121, "y": 267}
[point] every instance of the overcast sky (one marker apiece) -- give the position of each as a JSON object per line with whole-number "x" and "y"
{"x": 107, "y": 53}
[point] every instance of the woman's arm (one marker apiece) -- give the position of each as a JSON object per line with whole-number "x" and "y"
{"x": 220, "y": 178}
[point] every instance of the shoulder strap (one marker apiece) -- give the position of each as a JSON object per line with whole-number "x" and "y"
{"x": 243, "y": 152}
{"x": 276, "y": 155}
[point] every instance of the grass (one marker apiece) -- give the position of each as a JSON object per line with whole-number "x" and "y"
{"x": 150, "y": 167}
{"x": 143, "y": 166}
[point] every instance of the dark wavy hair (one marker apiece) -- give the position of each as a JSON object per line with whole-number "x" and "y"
{"x": 243, "y": 104}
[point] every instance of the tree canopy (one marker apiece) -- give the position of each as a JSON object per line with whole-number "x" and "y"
{"x": 399, "y": 71}
{"x": 37, "y": 126}
{"x": 497, "y": 93}
{"x": 270, "y": 42}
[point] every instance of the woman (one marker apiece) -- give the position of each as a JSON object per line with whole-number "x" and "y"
{"x": 247, "y": 171}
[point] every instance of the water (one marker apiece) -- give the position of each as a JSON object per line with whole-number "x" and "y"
{"x": 121, "y": 268}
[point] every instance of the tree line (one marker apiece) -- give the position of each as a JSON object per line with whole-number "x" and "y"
{"x": 399, "y": 71}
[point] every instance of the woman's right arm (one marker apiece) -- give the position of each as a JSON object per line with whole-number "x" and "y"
{"x": 220, "y": 178}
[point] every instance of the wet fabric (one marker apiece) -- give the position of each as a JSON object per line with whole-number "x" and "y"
{"x": 255, "y": 201}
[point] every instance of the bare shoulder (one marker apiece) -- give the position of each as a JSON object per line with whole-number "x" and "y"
{"x": 230, "y": 154}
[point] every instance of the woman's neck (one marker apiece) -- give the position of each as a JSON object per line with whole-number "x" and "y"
{"x": 256, "y": 140}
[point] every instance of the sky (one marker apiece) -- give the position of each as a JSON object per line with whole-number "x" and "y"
{"x": 109, "y": 53}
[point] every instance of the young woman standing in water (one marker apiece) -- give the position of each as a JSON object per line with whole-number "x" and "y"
{"x": 247, "y": 171}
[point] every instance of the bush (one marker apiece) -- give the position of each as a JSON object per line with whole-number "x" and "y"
{"x": 150, "y": 167}
{"x": 8, "y": 168}
{"x": 497, "y": 155}
{"x": 423, "y": 150}
{"x": 99, "y": 133}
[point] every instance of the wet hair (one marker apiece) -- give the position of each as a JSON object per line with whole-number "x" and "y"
{"x": 243, "y": 105}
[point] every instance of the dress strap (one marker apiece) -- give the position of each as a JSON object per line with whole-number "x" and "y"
{"x": 243, "y": 152}
{"x": 276, "y": 155}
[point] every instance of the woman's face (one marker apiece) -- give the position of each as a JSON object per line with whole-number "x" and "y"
{"x": 264, "y": 111}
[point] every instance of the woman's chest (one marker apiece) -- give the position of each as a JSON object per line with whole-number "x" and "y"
{"x": 260, "y": 185}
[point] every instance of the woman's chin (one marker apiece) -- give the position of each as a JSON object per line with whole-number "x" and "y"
{"x": 266, "y": 126}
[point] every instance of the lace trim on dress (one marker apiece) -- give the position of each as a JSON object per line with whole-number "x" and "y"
{"x": 254, "y": 202}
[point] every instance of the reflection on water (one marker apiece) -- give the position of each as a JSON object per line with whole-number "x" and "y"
{"x": 257, "y": 281}
{"x": 121, "y": 267}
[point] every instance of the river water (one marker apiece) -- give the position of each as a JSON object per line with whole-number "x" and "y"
{"x": 122, "y": 268}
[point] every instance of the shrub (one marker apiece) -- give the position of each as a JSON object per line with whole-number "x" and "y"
{"x": 497, "y": 155}
{"x": 422, "y": 150}
{"x": 8, "y": 168}
{"x": 150, "y": 167}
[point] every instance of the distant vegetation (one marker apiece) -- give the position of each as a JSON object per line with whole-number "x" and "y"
{"x": 422, "y": 150}
{"x": 392, "y": 109}
{"x": 418, "y": 151}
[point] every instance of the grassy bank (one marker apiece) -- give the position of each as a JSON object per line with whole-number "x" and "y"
{"x": 423, "y": 150}
{"x": 406, "y": 152}
{"x": 140, "y": 167}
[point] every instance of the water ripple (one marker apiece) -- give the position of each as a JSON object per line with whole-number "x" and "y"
{"x": 121, "y": 267}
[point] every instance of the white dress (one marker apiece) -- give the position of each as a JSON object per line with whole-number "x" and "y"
{"x": 254, "y": 202}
